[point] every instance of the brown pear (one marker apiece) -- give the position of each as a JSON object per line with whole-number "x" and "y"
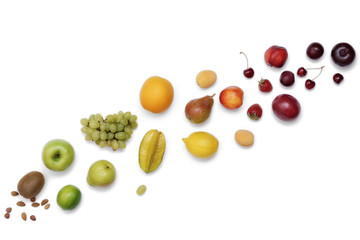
{"x": 198, "y": 110}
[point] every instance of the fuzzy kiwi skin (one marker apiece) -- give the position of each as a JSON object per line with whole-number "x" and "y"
{"x": 31, "y": 184}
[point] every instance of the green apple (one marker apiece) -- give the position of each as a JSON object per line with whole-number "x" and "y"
{"x": 101, "y": 173}
{"x": 58, "y": 155}
{"x": 68, "y": 197}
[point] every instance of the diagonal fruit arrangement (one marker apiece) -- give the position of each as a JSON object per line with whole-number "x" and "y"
{"x": 156, "y": 96}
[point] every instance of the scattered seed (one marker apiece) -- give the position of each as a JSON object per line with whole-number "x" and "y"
{"x": 20, "y": 204}
{"x": 32, "y": 217}
{"x": 141, "y": 190}
{"x": 43, "y": 202}
{"x": 8, "y": 210}
{"x": 33, "y": 199}
{"x": 14, "y": 193}
{"x": 47, "y": 206}
{"x": 7, "y": 215}
{"x": 23, "y": 216}
{"x": 35, "y": 204}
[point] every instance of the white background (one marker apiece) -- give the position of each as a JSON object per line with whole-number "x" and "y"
{"x": 64, "y": 60}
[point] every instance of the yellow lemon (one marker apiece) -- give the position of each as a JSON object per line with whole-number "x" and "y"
{"x": 201, "y": 144}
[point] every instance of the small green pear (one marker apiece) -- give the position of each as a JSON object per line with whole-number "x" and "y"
{"x": 101, "y": 173}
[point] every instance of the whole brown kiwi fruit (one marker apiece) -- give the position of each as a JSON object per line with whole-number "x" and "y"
{"x": 31, "y": 184}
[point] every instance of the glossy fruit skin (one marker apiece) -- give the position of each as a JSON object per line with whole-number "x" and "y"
{"x": 255, "y": 112}
{"x": 338, "y": 78}
{"x": 286, "y": 107}
{"x": 156, "y": 94}
{"x": 265, "y": 86}
{"x": 151, "y": 150}
{"x": 343, "y": 54}
{"x": 68, "y": 197}
{"x": 58, "y": 155}
{"x": 315, "y": 50}
{"x": 101, "y": 174}
{"x": 201, "y": 144}
{"x": 276, "y": 56}
{"x": 199, "y": 110}
{"x": 287, "y": 78}
{"x": 309, "y": 84}
{"x": 301, "y": 72}
{"x": 249, "y": 72}
{"x": 231, "y": 97}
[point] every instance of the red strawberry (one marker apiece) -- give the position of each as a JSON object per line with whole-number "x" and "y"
{"x": 255, "y": 112}
{"x": 265, "y": 85}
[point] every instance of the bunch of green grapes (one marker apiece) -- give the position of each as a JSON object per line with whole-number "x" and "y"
{"x": 113, "y": 131}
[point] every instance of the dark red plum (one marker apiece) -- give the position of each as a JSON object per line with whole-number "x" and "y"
{"x": 286, "y": 107}
{"x": 315, "y": 50}
{"x": 343, "y": 54}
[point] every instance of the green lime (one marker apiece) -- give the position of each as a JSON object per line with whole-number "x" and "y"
{"x": 68, "y": 197}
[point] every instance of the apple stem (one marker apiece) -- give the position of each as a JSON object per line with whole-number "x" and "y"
{"x": 247, "y": 61}
{"x": 321, "y": 69}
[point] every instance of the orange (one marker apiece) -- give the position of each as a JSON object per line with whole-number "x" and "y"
{"x": 156, "y": 94}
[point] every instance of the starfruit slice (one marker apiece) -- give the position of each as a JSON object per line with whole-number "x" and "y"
{"x": 151, "y": 151}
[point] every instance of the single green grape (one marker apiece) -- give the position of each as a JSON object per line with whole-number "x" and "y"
{"x": 109, "y": 118}
{"x": 124, "y": 122}
{"x": 134, "y": 125}
{"x": 88, "y": 137}
{"x": 91, "y": 117}
{"x": 119, "y": 127}
{"x": 122, "y": 144}
{"x": 98, "y": 117}
{"x": 84, "y": 121}
{"x": 95, "y": 135}
{"x": 107, "y": 129}
{"x": 110, "y": 135}
{"x": 108, "y": 143}
{"x": 102, "y": 126}
{"x": 121, "y": 113}
{"x": 120, "y": 135}
{"x": 117, "y": 118}
{"x": 127, "y": 136}
{"x": 114, "y": 145}
{"x": 128, "y": 130}
{"x": 127, "y": 115}
{"x": 133, "y": 118}
{"x": 112, "y": 128}
{"x": 103, "y": 135}
{"x": 94, "y": 124}
{"x": 84, "y": 129}
{"x": 98, "y": 142}
{"x": 141, "y": 190}
{"x": 102, "y": 144}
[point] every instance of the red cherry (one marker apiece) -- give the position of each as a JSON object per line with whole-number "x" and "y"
{"x": 248, "y": 72}
{"x": 301, "y": 72}
{"x": 309, "y": 84}
{"x": 338, "y": 78}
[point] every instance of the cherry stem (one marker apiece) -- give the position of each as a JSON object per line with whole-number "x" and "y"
{"x": 321, "y": 69}
{"x": 247, "y": 61}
